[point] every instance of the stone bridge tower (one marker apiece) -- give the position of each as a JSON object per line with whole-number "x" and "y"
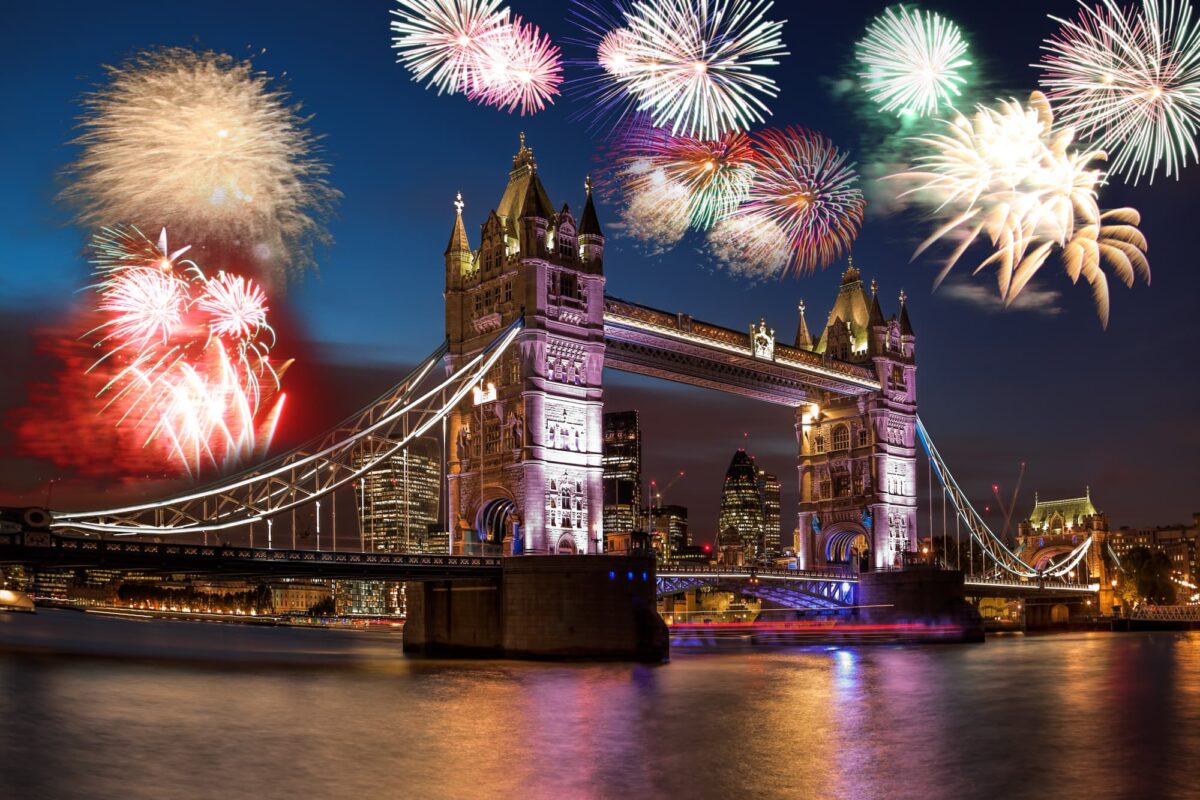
{"x": 524, "y": 454}
{"x": 857, "y": 454}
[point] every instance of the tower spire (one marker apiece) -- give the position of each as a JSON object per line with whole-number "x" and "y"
{"x": 803, "y": 338}
{"x": 459, "y": 243}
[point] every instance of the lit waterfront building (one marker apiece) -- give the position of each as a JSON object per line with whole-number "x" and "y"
{"x": 398, "y": 501}
{"x": 1178, "y": 542}
{"x": 742, "y": 507}
{"x": 370, "y": 598}
{"x": 297, "y": 596}
{"x": 622, "y": 461}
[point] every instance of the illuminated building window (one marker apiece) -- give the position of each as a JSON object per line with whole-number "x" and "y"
{"x": 841, "y": 438}
{"x": 864, "y": 437}
{"x": 841, "y": 486}
{"x": 819, "y": 443}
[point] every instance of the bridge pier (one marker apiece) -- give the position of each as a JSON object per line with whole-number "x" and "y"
{"x": 919, "y": 594}
{"x": 542, "y": 607}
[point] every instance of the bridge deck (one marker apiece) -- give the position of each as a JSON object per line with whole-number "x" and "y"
{"x": 69, "y": 552}
{"x": 676, "y": 347}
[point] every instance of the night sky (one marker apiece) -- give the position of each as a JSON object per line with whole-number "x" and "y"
{"x": 1114, "y": 409}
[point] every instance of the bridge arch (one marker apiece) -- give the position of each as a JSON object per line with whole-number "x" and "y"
{"x": 844, "y": 541}
{"x": 497, "y": 520}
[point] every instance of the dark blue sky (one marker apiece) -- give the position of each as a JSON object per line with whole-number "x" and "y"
{"x": 1115, "y": 409}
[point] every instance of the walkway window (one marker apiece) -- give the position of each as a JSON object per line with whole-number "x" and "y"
{"x": 841, "y": 438}
{"x": 819, "y": 443}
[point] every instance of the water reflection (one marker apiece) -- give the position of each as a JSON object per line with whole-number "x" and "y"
{"x": 1087, "y": 715}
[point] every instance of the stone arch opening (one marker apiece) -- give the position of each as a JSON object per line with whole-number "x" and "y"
{"x": 846, "y": 543}
{"x": 497, "y": 521}
{"x": 1059, "y": 613}
{"x": 566, "y": 546}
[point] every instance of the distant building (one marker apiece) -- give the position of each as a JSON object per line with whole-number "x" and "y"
{"x": 399, "y": 500}
{"x": 669, "y": 529}
{"x": 370, "y": 598}
{"x": 622, "y": 461}
{"x": 768, "y": 489}
{"x": 297, "y": 596}
{"x": 741, "y": 507}
{"x": 1178, "y": 542}
{"x": 750, "y": 505}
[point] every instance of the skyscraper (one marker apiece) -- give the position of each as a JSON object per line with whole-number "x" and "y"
{"x": 669, "y": 524}
{"x": 622, "y": 462}
{"x": 742, "y": 506}
{"x": 768, "y": 489}
{"x": 398, "y": 501}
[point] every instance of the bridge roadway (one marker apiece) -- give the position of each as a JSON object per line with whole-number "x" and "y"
{"x": 52, "y": 550}
{"x": 830, "y": 588}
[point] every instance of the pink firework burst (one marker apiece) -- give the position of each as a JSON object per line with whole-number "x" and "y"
{"x": 237, "y": 307}
{"x": 442, "y": 40}
{"x": 804, "y": 187}
{"x": 519, "y": 68}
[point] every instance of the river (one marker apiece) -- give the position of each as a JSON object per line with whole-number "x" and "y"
{"x": 344, "y": 714}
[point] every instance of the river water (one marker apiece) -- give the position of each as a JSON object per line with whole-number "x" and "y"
{"x": 1084, "y": 715}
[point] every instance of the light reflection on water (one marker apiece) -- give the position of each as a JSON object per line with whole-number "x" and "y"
{"x": 1074, "y": 715}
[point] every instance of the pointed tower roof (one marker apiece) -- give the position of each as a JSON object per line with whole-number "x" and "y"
{"x": 522, "y": 180}
{"x": 876, "y": 317}
{"x": 459, "y": 243}
{"x": 537, "y": 203}
{"x": 565, "y": 214}
{"x": 590, "y": 224}
{"x": 905, "y": 325}
{"x": 851, "y": 308}
{"x": 803, "y": 339}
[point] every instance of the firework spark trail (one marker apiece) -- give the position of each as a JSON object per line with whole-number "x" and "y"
{"x": 693, "y": 65}
{"x": 442, "y": 40}
{"x": 912, "y": 62}
{"x": 749, "y": 246}
{"x": 1009, "y": 175}
{"x": 804, "y": 191}
{"x": 518, "y": 67}
{"x": 201, "y": 138}
{"x": 188, "y": 371}
{"x": 714, "y": 176}
{"x": 1129, "y": 81}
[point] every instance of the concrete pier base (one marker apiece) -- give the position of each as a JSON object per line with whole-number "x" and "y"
{"x": 920, "y": 596}
{"x": 542, "y": 607}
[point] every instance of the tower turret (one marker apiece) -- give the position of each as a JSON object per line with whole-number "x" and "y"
{"x": 458, "y": 255}
{"x": 591, "y": 238}
{"x": 803, "y": 338}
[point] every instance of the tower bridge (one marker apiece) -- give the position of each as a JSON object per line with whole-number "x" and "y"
{"x": 515, "y": 392}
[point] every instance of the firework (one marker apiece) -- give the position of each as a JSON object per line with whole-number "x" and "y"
{"x": 693, "y": 65}
{"x": 1009, "y": 175}
{"x": 1129, "y": 81}
{"x": 442, "y": 40}
{"x": 912, "y": 62}
{"x": 200, "y": 137}
{"x": 805, "y": 191}
{"x": 714, "y": 176}
{"x": 185, "y": 358}
{"x": 657, "y": 214}
{"x": 518, "y": 68}
{"x": 749, "y": 246}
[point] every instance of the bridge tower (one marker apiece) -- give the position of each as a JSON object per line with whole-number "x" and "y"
{"x": 857, "y": 453}
{"x": 524, "y": 453}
